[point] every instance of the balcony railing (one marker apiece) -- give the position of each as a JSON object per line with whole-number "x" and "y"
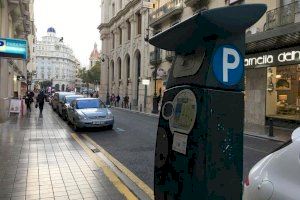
{"x": 155, "y": 59}
{"x": 168, "y": 8}
{"x": 283, "y": 15}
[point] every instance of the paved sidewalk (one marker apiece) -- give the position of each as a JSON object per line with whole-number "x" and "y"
{"x": 40, "y": 160}
{"x": 280, "y": 134}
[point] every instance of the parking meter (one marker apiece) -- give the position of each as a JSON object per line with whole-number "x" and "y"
{"x": 199, "y": 147}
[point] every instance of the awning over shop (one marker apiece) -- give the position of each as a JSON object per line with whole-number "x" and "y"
{"x": 281, "y": 37}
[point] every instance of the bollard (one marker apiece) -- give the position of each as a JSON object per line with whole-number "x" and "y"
{"x": 130, "y": 106}
{"x": 271, "y": 133}
{"x": 122, "y": 104}
{"x": 141, "y": 108}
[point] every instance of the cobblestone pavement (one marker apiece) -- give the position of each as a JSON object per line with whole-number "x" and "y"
{"x": 40, "y": 160}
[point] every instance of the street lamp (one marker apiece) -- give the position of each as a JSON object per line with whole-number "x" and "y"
{"x": 155, "y": 98}
{"x": 107, "y": 90}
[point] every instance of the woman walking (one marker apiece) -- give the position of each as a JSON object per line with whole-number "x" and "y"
{"x": 40, "y": 100}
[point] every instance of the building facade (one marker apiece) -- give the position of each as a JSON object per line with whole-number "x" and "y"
{"x": 125, "y": 55}
{"x": 16, "y": 21}
{"x": 55, "y": 62}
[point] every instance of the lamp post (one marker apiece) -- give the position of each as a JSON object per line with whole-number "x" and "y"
{"x": 155, "y": 99}
{"x": 107, "y": 89}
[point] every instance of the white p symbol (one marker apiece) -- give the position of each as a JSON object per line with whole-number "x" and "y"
{"x": 229, "y": 65}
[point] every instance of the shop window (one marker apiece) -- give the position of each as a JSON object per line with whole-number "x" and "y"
{"x": 283, "y": 92}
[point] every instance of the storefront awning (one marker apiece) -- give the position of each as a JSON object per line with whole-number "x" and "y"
{"x": 281, "y": 37}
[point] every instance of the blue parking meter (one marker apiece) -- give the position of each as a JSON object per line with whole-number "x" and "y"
{"x": 199, "y": 147}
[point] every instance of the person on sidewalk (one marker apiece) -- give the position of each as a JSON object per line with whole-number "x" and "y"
{"x": 126, "y": 100}
{"x": 118, "y": 100}
{"x": 28, "y": 101}
{"x": 40, "y": 100}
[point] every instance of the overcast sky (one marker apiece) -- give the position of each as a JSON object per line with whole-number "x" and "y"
{"x": 75, "y": 20}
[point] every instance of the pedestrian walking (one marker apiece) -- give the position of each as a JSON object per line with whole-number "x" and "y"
{"x": 126, "y": 100}
{"x": 28, "y": 101}
{"x": 113, "y": 99}
{"x": 40, "y": 100}
{"x": 118, "y": 100}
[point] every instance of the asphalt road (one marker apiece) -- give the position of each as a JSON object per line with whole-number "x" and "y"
{"x": 132, "y": 142}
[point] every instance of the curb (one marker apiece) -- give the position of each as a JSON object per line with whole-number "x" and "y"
{"x": 138, "y": 112}
{"x": 276, "y": 139}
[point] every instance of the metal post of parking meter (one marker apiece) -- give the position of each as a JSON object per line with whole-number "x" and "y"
{"x": 199, "y": 143}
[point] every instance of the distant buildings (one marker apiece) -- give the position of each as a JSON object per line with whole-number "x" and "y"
{"x": 94, "y": 57}
{"x": 55, "y": 62}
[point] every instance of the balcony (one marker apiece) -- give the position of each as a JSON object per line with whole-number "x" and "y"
{"x": 196, "y": 4}
{"x": 170, "y": 55}
{"x": 155, "y": 59}
{"x": 283, "y": 15}
{"x": 170, "y": 9}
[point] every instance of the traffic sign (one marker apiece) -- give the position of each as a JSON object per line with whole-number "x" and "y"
{"x": 228, "y": 65}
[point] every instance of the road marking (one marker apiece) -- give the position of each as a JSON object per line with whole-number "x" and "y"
{"x": 119, "y": 129}
{"x": 143, "y": 186}
{"x": 261, "y": 151}
{"x": 113, "y": 178}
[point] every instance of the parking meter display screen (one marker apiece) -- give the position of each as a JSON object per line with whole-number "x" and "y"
{"x": 185, "y": 109}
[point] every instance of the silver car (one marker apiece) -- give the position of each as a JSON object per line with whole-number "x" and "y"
{"x": 67, "y": 100}
{"x": 89, "y": 113}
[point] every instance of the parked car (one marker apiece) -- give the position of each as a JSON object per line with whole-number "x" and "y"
{"x": 50, "y": 99}
{"x": 56, "y": 98}
{"x": 89, "y": 112}
{"x": 61, "y": 102}
{"x": 277, "y": 176}
{"x": 67, "y": 100}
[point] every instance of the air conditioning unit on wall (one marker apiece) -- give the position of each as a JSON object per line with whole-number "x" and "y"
{"x": 252, "y": 30}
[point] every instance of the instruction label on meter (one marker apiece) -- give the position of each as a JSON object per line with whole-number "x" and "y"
{"x": 180, "y": 143}
{"x": 185, "y": 110}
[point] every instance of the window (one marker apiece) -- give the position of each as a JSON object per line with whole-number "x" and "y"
{"x": 120, "y": 3}
{"x": 113, "y": 40}
{"x": 120, "y": 36}
{"x": 283, "y": 92}
{"x": 128, "y": 30}
{"x": 139, "y": 23}
{"x": 82, "y": 104}
{"x": 113, "y": 9}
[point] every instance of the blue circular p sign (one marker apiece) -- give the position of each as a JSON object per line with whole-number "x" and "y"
{"x": 228, "y": 65}
{"x": 1, "y": 43}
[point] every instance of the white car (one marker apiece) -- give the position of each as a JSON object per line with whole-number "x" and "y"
{"x": 277, "y": 176}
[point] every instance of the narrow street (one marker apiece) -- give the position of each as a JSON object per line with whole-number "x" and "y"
{"x": 132, "y": 142}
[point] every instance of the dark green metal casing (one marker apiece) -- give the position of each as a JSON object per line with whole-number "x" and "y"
{"x": 201, "y": 156}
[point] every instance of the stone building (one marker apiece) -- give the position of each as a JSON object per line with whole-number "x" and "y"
{"x": 125, "y": 53}
{"x": 55, "y": 62}
{"x": 16, "y": 21}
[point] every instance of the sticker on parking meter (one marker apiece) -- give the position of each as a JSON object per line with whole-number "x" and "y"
{"x": 228, "y": 65}
{"x": 185, "y": 111}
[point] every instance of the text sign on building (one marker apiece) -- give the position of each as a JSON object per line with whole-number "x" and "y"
{"x": 288, "y": 56}
{"x": 228, "y": 65}
{"x": 13, "y": 48}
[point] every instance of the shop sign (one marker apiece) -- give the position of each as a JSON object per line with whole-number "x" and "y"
{"x": 272, "y": 58}
{"x": 13, "y": 48}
